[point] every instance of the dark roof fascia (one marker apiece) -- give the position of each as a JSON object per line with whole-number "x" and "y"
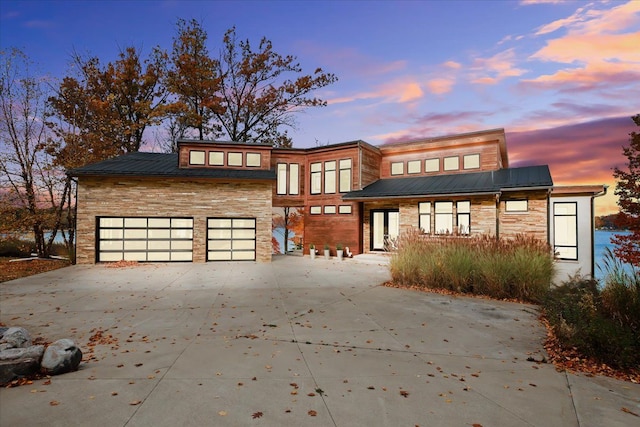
{"x": 430, "y": 195}
{"x": 219, "y": 143}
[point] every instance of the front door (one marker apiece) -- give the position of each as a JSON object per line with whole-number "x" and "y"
{"x": 385, "y": 228}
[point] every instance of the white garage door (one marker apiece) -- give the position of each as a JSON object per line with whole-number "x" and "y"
{"x": 145, "y": 239}
{"x": 231, "y": 239}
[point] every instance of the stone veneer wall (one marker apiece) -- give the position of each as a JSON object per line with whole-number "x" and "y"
{"x": 533, "y": 222}
{"x": 163, "y": 197}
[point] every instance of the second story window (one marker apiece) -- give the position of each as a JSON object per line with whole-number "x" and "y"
{"x": 451, "y": 163}
{"x": 196, "y": 157}
{"x": 288, "y": 179}
{"x": 345, "y": 175}
{"x": 216, "y": 158}
{"x": 316, "y": 178}
{"x": 234, "y": 159}
{"x": 397, "y": 168}
{"x": 413, "y": 166}
{"x": 253, "y": 159}
{"x": 471, "y": 161}
{"x": 432, "y": 165}
{"x": 330, "y": 177}
{"x": 281, "y": 171}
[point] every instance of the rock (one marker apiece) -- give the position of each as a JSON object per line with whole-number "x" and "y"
{"x": 16, "y": 338}
{"x": 3, "y": 329}
{"x": 60, "y": 357}
{"x": 19, "y": 362}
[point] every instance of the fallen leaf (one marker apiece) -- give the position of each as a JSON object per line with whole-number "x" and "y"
{"x": 628, "y": 411}
{"x": 54, "y": 403}
{"x": 135, "y": 402}
{"x": 476, "y": 425}
{"x": 222, "y": 413}
{"x": 257, "y": 415}
{"x": 404, "y": 393}
{"x": 312, "y": 413}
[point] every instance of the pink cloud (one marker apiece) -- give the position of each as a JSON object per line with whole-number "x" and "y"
{"x": 440, "y": 86}
{"x": 401, "y": 91}
{"x": 494, "y": 69}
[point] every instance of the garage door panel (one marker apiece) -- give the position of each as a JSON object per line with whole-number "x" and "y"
{"x": 145, "y": 239}
{"x": 231, "y": 239}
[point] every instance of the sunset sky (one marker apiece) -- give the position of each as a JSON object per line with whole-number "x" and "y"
{"x": 561, "y": 77}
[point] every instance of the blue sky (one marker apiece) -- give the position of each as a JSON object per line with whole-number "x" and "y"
{"x": 561, "y": 77}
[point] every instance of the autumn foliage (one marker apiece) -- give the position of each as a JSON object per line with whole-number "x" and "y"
{"x": 628, "y": 192}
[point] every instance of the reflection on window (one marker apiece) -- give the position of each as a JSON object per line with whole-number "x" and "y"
{"x": 444, "y": 217}
{"x": 464, "y": 217}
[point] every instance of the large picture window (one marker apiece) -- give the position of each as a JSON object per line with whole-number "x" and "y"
{"x": 345, "y": 175}
{"x": 424, "y": 210}
{"x": 330, "y": 177}
{"x": 565, "y": 230}
{"x": 444, "y": 217}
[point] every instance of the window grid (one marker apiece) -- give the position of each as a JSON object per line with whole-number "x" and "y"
{"x": 145, "y": 239}
{"x": 565, "y": 230}
{"x": 463, "y": 211}
{"x": 231, "y": 239}
{"x": 443, "y": 217}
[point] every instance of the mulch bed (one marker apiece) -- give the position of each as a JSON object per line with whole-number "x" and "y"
{"x": 18, "y": 269}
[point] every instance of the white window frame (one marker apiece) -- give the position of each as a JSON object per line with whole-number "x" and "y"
{"x": 565, "y": 230}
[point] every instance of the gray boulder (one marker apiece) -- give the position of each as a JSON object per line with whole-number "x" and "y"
{"x": 60, "y": 357}
{"x": 19, "y": 362}
{"x": 15, "y": 337}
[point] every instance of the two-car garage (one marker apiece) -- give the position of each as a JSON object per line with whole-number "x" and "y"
{"x": 162, "y": 239}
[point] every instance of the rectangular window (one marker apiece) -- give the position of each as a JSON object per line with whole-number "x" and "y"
{"x": 424, "y": 211}
{"x": 451, "y": 163}
{"x": 315, "y": 210}
{"x": 196, "y": 157}
{"x": 294, "y": 178}
{"x": 413, "y": 166}
{"x": 329, "y": 209}
{"x": 565, "y": 230}
{"x": 344, "y": 209}
{"x": 345, "y": 175}
{"x": 330, "y": 177}
{"x": 397, "y": 168}
{"x": 471, "y": 161}
{"x": 253, "y": 159}
{"x": 516, "y": 206}
{"x": 463, "y": 210}
{"x": 444, "y": 217}
{"x": 216, "y": 158}
{"x": 316, "y": 178}
{"x": 432, "y": 165}
{"x": 234, "y": 159}
{"x": 282, "y": 178}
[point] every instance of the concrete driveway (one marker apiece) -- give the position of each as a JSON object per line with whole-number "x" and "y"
{"x": 291, "y": 343}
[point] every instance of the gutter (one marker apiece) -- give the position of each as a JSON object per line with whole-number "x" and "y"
{"x": 413, "y": 196}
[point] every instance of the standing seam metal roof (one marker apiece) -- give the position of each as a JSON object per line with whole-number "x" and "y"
{"x": 164, "y": 165}
{"x": 461, "y": 183}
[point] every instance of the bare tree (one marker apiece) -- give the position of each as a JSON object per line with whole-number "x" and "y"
{"x": 32, "y": 189}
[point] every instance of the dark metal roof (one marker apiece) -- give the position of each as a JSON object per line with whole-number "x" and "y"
{"x": 530, "y": 177}
{"x": 164, "y": 165}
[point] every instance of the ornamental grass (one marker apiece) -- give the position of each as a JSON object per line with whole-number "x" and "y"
{"x": 520, "y": 267}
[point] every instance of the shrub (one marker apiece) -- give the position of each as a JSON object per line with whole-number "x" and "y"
{"x": 582, "y": 318}
{"x": 521, "y": 267}
{"x": 14, "y": 247}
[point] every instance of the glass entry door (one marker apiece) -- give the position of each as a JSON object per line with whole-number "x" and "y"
{"x": 385, "y": 228}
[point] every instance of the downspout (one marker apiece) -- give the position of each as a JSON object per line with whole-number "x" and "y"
{"x": 75, "y": 225}
{"x": 498, "y": 194}
{"x": 549, "y": 216}
{"x": 593, "y": 228}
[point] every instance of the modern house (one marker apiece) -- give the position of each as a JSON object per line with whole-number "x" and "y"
{"x": 213, "y": 201}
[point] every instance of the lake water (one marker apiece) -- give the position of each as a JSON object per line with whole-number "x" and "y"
{"x": 601, "y": 241}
